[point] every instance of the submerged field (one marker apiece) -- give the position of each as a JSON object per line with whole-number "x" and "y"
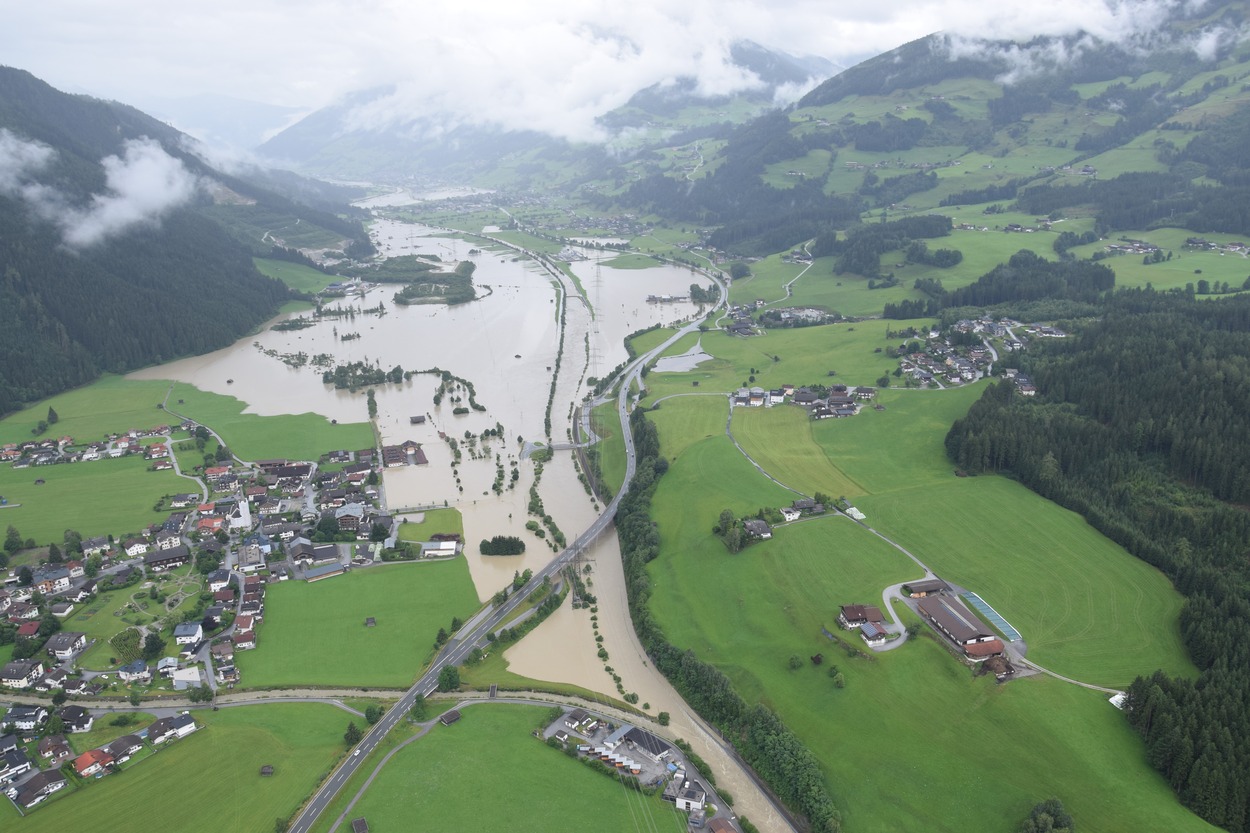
{"x": 253, "y": 437}
{"x": 524, "y": 784}
{"x": 315, "y": 634}
{"x": 213, "y": 773}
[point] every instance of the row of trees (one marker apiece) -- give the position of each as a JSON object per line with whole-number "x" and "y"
{"x": 774, "y": 751}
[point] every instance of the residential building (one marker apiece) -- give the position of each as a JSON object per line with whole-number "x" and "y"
{"x": 21, "y": 673}
{"x": 65, "y": 644}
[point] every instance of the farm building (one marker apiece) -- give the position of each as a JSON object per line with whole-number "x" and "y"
{"x": 958, "y": 624}
{"x": 873, "y": 634}
{"x": 852, "y": 616}
{"x": 925, "y": 587}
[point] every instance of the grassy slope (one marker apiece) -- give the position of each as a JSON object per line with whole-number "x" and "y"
{"x": 314, "y": 634}
{"x": 795, "y": 581}
{"x": 213, "y": 773}
{"x": 805, "y": 356}
{"x": 490, "y": 753}
{"x": 252, "y": 437}
{"x": 1084, "y": 605}
{"x": 96, "y": 498}
{"x": 112, "y": 404}
{"x": 295, "y": 275}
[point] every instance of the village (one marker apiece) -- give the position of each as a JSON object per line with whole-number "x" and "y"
{"x": 196, "y": 582}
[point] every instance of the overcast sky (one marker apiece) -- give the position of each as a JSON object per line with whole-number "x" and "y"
{"x": 548, "y": 64}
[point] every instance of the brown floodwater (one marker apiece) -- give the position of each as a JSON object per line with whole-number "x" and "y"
{"x": 505, "y": 343}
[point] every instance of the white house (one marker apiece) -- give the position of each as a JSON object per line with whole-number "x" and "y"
{"x": 25, "y": 718}
{"x": 789, "y": 513}
{"x": 188, "y": 633}
{"x": 21, "y": 673}
{"x": 65, "y": 644}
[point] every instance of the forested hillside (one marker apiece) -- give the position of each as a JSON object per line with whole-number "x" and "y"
{"x": 1140, "y": 425}
{"x": 108, "y": 256}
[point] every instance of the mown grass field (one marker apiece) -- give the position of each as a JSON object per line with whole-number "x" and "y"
{"x": 780, "y": 440}
{"x": 648, "y": 340}
{"x": 213, "y": 773}
{"x": 1086, "y": 608}
{"x": 799, "y": 357}
{"x": 1187, "y": 266}
{"x": 314, "y": 634}
{"x": 105, "y": 729}
{"x": 295, "y": 275}
{"x": 913, "y": 734}
{"x": 611, "y": 447}
{"x": 436, "y": 521}
{"x": 530, "y": 786}
{"x": 111, "y": 404}
{"x": 253, "y": 437}
{"x": 96, "y": 498}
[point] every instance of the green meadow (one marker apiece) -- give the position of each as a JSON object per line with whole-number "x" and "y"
{"x": 611, "y": 447}
{"x": 315, "y": 634}
{"x": 295, "y": 275}
{"x": 105, "y": 729}
{"x": 252, "y": 437}
{"x": 802, "y": 356}
{"x": 214, "y": 773}
{"x": 1094, "y": 610}
{"x": 112, "y": 404}
{"x": 1085, "y": 607}
{"x": 529, "y": 786}
{"x": 435, "y": 521}
{"x": 95, "y": 498}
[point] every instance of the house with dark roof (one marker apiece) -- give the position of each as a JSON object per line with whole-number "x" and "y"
{"x": 21, "y": 673}
{"x": 949, "y": 617}
{"x": 757, "y": 528}
{"x": 135, "y": 672}
{"x": 167, "y": 559}
{"x": 76, "y": 719}
{"x": 65, "y": 644}
{"x": 13, "y": 764}
{"x": 852, "y": 616}
{"x": 39, "y": 787}
{"x": 925, "y": 587}
{"x": 25, "y": 718}
{"x": 124, "y": 748}
{"x": 55, "y": 749}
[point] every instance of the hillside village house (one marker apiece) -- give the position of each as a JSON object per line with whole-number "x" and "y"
{"x": 169, "y": 728}
{"x": 65, "y": 644}
{"x": 13, "y": 764}
{"x": 167, "y": 539}
{"x": 21, "y": 673}
{"x": 76, "y": 719}
{"x": 24, "y": 718}
{"x": 92, "y": 762}
{"x": 167, "y": 559}
{"x": 135, "y": 547}
{"x": 39, "y": 787}
{"x": 188, "y": 633}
